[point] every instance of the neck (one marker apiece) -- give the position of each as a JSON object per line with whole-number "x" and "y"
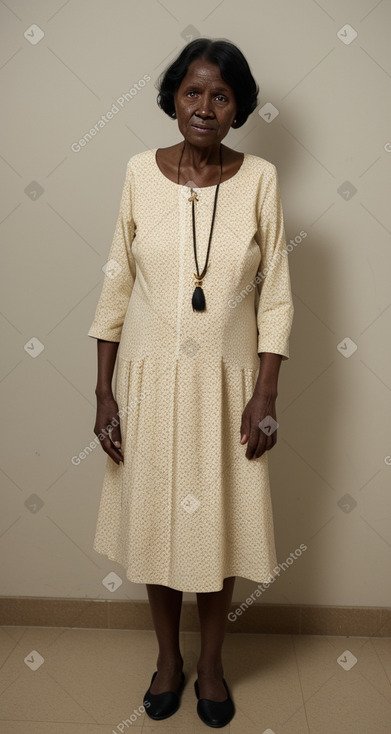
{"x": 198, "y": 157}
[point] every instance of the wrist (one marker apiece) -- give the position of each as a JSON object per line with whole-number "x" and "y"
{"x": 269, "y": 368}
{"x": 266, "y": 387}
{"x": 104, "y": 392}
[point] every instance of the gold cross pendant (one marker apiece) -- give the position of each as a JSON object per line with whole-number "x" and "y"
{"x": 193, "y": 197}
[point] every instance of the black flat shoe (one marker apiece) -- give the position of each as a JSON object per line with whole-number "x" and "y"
{"x": 215, "y": 713}
{"x": 162, "y": 705}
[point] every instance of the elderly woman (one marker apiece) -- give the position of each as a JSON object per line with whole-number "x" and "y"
{"x": 197, "y": 297}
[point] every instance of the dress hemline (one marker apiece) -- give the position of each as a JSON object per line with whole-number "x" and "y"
{"x": 184, "y": 590}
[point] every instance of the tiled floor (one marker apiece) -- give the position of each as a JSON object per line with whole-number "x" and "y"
{"x": 91, "y": 681}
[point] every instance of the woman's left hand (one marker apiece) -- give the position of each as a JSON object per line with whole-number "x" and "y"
{"x": 262, "y": 405}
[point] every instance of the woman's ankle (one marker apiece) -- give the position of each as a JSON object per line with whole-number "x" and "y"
{"x": 169, "y": 661}
{"x": 210, "y": 668}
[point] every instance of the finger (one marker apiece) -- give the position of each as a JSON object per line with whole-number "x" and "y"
{"x": 115, "y": 436}
{"x": 118, "y": 458}
{"x": 109, "y": 447}
{"x": 264, "y": 444}
{"x": 272, "y": 436}
{"x": 113, "y": 452}
{"x": 263, "y": 439}
{"x": 256, "y": 442}
{"x": 244, "y": 430}
{"x": 260, "y": 446}
{"x": 268, "y": 426}
{"x": 114, "y": 449}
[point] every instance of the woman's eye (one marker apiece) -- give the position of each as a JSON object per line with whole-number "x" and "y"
{"x": 220, "y": 96}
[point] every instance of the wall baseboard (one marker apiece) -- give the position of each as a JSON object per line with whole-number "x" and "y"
{"x": 258, "y": 618}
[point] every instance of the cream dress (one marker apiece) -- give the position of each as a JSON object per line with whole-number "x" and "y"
{"x": 186, "y": 508}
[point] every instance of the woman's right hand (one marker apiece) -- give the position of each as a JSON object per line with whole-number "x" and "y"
{"x": 106, "y": 426}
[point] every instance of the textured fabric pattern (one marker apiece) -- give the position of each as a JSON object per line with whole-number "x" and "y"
{"x": 186, "y": 508}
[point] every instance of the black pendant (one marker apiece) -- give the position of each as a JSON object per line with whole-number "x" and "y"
{"x": 198, "y": 300}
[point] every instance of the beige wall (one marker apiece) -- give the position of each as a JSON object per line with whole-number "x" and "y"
{"x": 333, "y": 100}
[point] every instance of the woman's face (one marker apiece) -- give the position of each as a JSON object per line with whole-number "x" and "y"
{"x": 204, "y": 99}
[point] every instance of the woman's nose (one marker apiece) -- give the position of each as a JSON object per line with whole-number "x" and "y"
{"x": 204, "y": 109}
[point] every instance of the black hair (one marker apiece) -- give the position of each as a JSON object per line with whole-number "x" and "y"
{"x": 234, "y": 69}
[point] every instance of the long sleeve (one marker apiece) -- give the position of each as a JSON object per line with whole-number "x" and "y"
{"x": 120, "y": 272}
{"x": 275, "y": 306}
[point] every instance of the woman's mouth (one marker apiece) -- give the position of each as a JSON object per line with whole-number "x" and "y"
{"x": 202, "y": 128}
